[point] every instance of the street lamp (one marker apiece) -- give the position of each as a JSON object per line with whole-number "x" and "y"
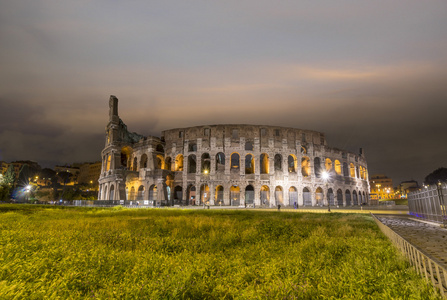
{"x": 27, "y": 191}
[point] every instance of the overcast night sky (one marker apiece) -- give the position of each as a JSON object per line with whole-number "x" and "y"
{"x": 369, "y": 74}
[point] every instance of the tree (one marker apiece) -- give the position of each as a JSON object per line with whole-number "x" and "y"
{"x": 7, "y": 183}
{"x": 435, "y": 176}
{"x": 65, "y": 176}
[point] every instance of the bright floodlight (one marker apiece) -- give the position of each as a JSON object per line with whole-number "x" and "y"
{"x": 325, "y": 175}
{"x": 28, "y": 188}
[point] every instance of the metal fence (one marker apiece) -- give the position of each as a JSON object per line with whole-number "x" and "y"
{"x": 424, "y": 265}
{"x": 429, "y": 203}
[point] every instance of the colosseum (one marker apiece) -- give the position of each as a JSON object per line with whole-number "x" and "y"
{"x": 232, "y": 165}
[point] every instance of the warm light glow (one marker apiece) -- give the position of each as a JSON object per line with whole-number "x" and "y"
{"x": 206, "y": 171}
{"x": 28, "y": 188}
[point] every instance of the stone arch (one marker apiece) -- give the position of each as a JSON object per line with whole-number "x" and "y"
{"x": 111, "y": 192}
{"x": 317, "y": 167}
{"x": 330, "y": 197}
{"x": 178, "y": 194}
{"x": 220, "y": 162}
{"x": 219, "y": 195}
{"x": 132, "y": 195}
{"x": 319, "y": 196}
{"x": 192, "y": 164}
{"x": 278, "y": 162}
{"x": 337, "y": 167}
{"x": 206, "y": 163}
{"x": 168, "y": 163}
{"x": 279, "y": 195}
{"x": 204, "y": 194}
{"x": 178, "y": 163}
{"x": 348, "y": 197}
{"x": 125, "y": 156}
{"x": 293, "y": 196}
{"x": 160, "y": 162}
{"x": 249, "y": 164}
{"x": 191, "y": 195}
{"x": 307, "y": 197}
{"x": 291, "y": 163}
{"x": 140, "y": 194}
{"x": 328, "y": 164}
{"x": 354, "y": 198}
{"x": 235, "y": 195}
{"x": 265, "y": 195}
{"x": 235, "y": 160}
{"x": 143, "y": 161}
{"x": 153, "y": 192}
{"x": 305, "y": 166}
{"x": 135, "y": 164}
{"x": 352, "y": 170}
{"x": 264, "y": 160}
{"x": 249, "y": 194}
{"x": 339, "y": 197}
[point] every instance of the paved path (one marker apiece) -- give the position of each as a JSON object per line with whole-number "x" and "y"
{"x": 428, "y": 237}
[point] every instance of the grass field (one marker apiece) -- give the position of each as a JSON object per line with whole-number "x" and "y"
{"x": 76, "y": 253}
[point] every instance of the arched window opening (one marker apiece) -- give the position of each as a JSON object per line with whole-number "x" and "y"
{"x": 132, "y": 194}
{"x": 339, "y": 198}
{"x": 249, "y": 194}
{"x": 135, "y": 165}
{"x": 348, "y": 198}
{"x": 153, "y": 192}
{"x": 168, "y": 163}
{"x": 330, "y": 197}
{"x": 293, "y": 196}
{"x": 112, "y": 193}
{"x": 317, "y": 167}
{"x": 218, "y": 197}
{"x": 345, "y": 170}
{"x": 264, "y": 163}
{"x": 307, "y": 197}
{"x": 279, "y": 196}
{"x": 159, "y": 162}
{"x": 305, "y": 166}
{"x": 291, "y": 163}
{"x": 352, "y": 170}
{"x": 191, "y": 197}
{"x": 143, "y": 161}
{"x": 206, "y": 163}
{"x": 178, "y": 195}
{"x": 249, "y": 164}
{"x": 159, "y": 148}
{"x": 192, "y": 164}
{"x": 337, "y": 167}
{"x": 109, "y": 159}
{"x": 125, "y": 155}
{"x": 140, "y": 195}
{"x": 220, "y": 162}
{"x": 319, "y": 196}
{"x": 265, "y": 196}
{"x": 179, "y": 163}
{"x": 354, "y": 198}
{"x": 278, "y": 162}
{"x": 328, "y": 164}
{"x": 204, "y": 194}
{"x": 235, "y": 161}
{"x": 235, "y": 195}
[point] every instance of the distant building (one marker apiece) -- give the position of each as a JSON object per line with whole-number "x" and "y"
{"x": 34, "y": 166}
{"x": 89, "y": 174}
{"x": 3, "y": 167}
{"x": 70, "y": 169}
{"x": 406, "y": 187}
{"x": 381, "y": 187}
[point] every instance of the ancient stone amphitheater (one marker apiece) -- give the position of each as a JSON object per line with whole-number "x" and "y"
{"x": 233, "y": 164}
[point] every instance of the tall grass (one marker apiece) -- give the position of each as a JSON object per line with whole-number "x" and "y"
{"x": 191, "y": 254}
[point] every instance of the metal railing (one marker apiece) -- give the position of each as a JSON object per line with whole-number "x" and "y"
{"x": 429, "y": 203}
{"x": 426, "y": 266}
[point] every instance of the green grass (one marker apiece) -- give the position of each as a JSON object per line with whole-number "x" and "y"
{"x": 79, "y": 253}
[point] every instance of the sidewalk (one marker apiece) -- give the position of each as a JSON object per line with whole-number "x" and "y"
{"x": 429, "y": 238}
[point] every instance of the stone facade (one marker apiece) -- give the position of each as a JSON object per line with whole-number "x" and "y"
{"x": 234, "y": 164}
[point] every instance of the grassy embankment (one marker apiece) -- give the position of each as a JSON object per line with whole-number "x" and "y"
{"x": 209, "y": 254}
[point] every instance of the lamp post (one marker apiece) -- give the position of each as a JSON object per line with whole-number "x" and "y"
{"x": 442, "y": 203}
